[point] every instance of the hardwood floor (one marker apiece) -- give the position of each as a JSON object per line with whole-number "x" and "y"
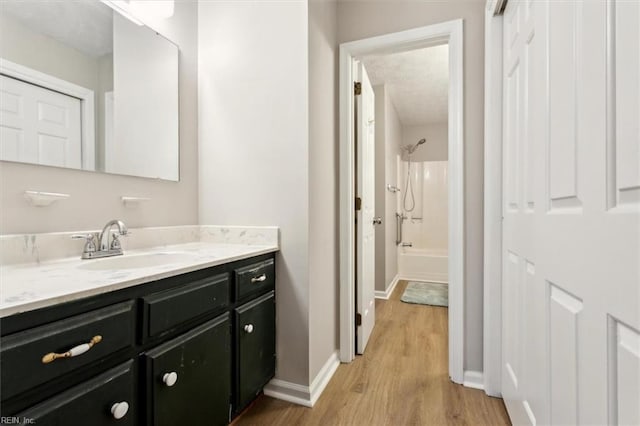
{"x": 400, "y": 380}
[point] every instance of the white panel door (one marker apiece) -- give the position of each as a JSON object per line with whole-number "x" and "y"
{"x": 38, "y": 125}
{"x": 365, "y": 250}
{"x": 571, "y": 207}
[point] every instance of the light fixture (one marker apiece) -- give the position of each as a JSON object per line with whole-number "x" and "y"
{"x": 123, "y": 8}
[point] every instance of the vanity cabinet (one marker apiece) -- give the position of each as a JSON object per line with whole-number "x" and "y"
{"x": 195, "y": 348}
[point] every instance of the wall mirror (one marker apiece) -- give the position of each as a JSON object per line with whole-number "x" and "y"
{"x": 84, "y": 87}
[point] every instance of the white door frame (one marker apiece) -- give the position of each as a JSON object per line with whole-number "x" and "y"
{"x": 450, "y": 32}
{"x": 85, "y": 95}
{"x": 492, "y": 324}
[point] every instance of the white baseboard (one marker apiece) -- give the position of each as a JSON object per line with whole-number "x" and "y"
{"x": 432, "y": 278}
{"x": 387, "y": 294}
{"x": 287, "y": 391}
{"x": 323, "y": 377}
{"x": 473, "y": 379}
{"x": 304, "y": 395}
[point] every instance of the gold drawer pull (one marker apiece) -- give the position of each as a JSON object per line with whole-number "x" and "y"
{"x": 75, "y": 351}
{"x": 259, "y": 279}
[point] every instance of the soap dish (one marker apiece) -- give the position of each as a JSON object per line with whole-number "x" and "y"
{"x": 133, "y": 201}
{"x": 43, "y": 199}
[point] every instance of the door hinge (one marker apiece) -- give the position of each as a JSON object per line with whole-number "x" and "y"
{"x": 358, "y": 203}
{"x": 358, "y": 319}
{"x": 357, "y": 88}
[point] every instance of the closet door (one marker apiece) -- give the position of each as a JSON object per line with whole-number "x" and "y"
{"x": 39, "y": 125}
{"x": 571, "y": 172}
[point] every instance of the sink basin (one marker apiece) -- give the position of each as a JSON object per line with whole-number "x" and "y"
{"x": 135, "y": 261}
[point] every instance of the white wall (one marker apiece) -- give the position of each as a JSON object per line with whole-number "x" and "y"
{"x": 368, "y": 18}
{"x": 95, "y": 197}
{"x": 145, "y": 79}
{"x": 254, "y": 150}
{"x": 323, "y": 183}
{"x": 437, "y": 146}
{"x": 105, "y": 84}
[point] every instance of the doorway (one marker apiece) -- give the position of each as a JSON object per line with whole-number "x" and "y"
{"x": 411, "y": 161}
{"x": 450, "y": 33}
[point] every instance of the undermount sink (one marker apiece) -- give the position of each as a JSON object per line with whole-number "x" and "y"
{"x": 135, "y": 261}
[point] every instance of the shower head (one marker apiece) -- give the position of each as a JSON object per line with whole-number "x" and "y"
{"x": 411, "y": 148}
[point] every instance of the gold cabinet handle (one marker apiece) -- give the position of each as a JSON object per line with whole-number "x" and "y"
{"x": 75, "y": 351}
{"x": 259, "y": 279}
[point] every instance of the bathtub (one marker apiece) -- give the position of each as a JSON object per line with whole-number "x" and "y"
{"x": 422, "y": 264}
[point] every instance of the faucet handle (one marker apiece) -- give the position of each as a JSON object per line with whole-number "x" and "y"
{"x": 89, "y": 245}
{"x": 115, "y": 242}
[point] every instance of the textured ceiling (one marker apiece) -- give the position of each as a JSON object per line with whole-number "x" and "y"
{"x": 417, "y": 82}
{"x": 85, "y": 25}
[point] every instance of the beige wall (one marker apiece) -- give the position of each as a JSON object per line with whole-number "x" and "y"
{"x": 254, "y": 147}
{"x": 323, "y": 184}
{"x": 289, "y": 156}
{"x": 95, "y": 197}
{"x": 393, "y": 136}
{"x": 380, "y": 189}
{"x": 388, "y": 138}
{"x": 437, "y": 146}
{"x": 18, "y": 44}
{"x": 362, "y": 19}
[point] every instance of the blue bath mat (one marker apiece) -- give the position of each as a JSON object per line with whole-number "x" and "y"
{"x": 425, "y": 293}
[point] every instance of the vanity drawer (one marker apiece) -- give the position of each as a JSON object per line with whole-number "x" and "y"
{"x": 23, "y": 354}
{"x": 108, "y": 399}
{"x": 167, "y": 309}
{"x": 255, "y": 278}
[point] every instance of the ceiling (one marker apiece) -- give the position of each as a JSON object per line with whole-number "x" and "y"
{"x": 85, "y": 25}
{"x": 417, "y": 82}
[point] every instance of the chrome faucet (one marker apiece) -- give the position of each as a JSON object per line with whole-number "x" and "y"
{"x": 115, "y": 243}
{"x": 104, "y": 247}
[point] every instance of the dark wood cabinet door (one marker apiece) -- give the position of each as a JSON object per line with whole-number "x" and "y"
{"x": 189, "y": 377}
{"x": 108, "y": 399}
{"x": 255, "y": 331}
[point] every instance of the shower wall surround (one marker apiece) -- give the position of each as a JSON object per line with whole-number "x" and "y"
{"x": 427, "y": 225}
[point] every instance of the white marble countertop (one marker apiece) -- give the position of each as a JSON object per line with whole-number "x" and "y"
{"x": 25, "y": 287}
